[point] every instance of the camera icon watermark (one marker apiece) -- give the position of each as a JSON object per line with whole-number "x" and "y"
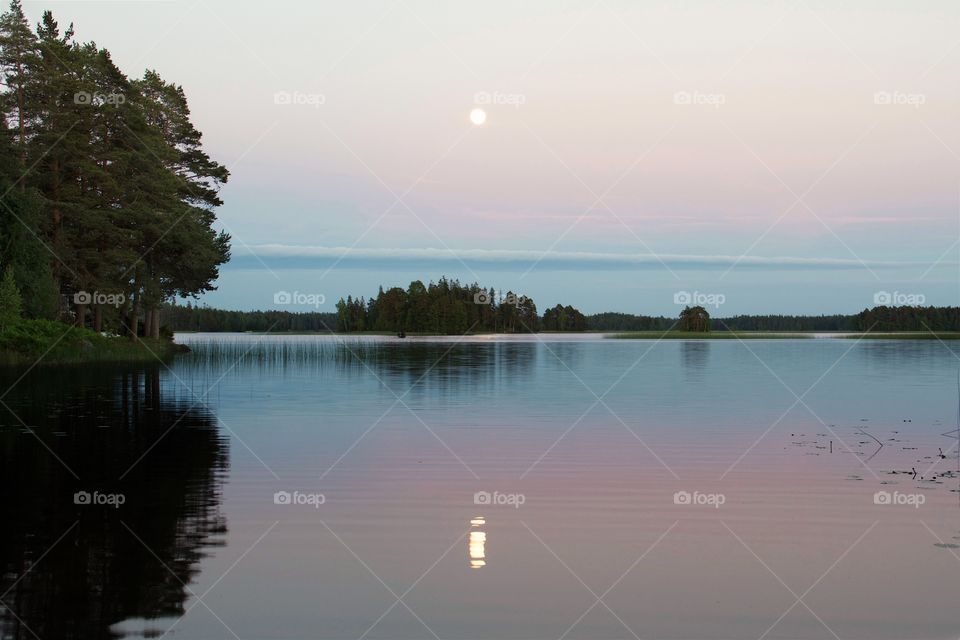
{"x": 915, "y": 100}
{"x": 95, "y": 498}
{"x": 299, "y": 498}
{"x": 98, "y": 298}
{"x": 898, "y": 299}
{"x": 485, "y": 498}
{"x": 688, "y": 298}
{"x": 696, "y": 498}
{"x": 315, "y": 300}
{"x": 896, "y": 498}
{"x": 685, "y": 98}
{"x": 299, "y": 98}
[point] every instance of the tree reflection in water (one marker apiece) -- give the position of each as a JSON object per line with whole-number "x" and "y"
{"x": 117, "y": 431}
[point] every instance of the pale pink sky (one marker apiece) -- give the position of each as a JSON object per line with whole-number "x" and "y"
{"x": 773, "y": 129}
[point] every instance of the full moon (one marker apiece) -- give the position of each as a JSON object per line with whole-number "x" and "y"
{"x": 478, "y": 116}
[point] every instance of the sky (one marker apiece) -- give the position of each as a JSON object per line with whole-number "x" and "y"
{"x": 800, "y": 156}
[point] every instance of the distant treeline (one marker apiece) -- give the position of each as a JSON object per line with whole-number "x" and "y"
{"x": 391, "y": 311}
{"x": 611, "y": 321}
{"x": 909, "y": 319}
{"x": 199, "y": 318}
{"x": 786, "y": 323}
{"x": 876, "y": 319}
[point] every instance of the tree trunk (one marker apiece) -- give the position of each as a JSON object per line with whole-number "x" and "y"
{"x": 55, "y": 234}
{"x": 22, "y": 127}
{"x": 148, "y": 323}
{"x": 80, "y": 320}
{"x": 55, "y": 244}
{"x": 98, "y": 318}
{"x": 155, "y": 333}
{"x": 134, "y": 317}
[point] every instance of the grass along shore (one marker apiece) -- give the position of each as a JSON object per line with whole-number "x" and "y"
{"x": 27, "y": 341}
{"x": 784, "y": 335}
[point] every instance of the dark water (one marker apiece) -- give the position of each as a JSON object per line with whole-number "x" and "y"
{"x": 72, "y": 570}
{"x": 313, "y": 487}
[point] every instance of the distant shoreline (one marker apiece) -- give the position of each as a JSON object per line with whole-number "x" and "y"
{"x": 785, "y": 335}
{"x": 638, "y": 335}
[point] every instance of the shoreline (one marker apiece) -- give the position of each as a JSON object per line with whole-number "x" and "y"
{"x": 75, "y": 346}
{"x": 633, "y": 335}
{"x": 786, "y": 335}
{"x": 46, "y": 342}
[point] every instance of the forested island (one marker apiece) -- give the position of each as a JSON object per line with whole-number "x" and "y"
{"x": 448, "y": 307}
{"x": 107, "y": 194}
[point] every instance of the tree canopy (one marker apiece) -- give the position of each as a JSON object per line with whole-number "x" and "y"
{"x": 108, "y": 195}
{"x": 694, "y": 319}
{"x": 444, "y": 307}
{"x": 561, "y": 318}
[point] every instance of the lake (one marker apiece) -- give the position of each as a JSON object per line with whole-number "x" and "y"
{"x": 553, "y": 486}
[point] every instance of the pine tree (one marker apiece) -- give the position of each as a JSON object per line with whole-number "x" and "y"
{"x": 59, "y": 146}
{"x": 19, "y": 58}
{"x": 695, "y": 319}
{"x": 185, "y": 257}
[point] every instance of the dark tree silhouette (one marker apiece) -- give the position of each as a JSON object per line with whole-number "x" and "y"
{"x": 694, "y": 319}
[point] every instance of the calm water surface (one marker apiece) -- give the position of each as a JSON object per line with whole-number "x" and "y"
{"x": 493, "y": 487}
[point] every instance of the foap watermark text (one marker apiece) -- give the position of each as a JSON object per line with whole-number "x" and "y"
{"x": 715, "y": 100}
{"x": 515, "y": 100}
{"x": 899, "y": 499}
{"x": 496, "y": 498}
{"x": 299, "y": 98}
{"x": 315, "y": 300}
{"x": 699, "y": 298}
{"x": 97, "y": 298}
{"x": 696, "y": 498}
{"x": 898, "y": 299}
{"x": 96, "y": 498}
{"x": 299, "y": 498}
